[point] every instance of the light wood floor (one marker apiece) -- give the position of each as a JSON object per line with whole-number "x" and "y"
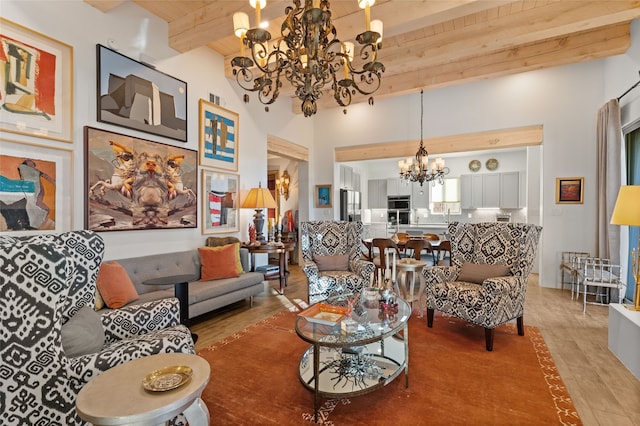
{"x": 601, "y": 387}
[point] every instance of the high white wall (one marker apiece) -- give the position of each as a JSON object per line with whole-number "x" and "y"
{"x": 135, "y": 30}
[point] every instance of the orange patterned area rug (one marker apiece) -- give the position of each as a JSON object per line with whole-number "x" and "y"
{"x": 453, "y": 380}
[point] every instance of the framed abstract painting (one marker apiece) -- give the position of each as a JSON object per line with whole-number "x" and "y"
{"x": 134, "y": 183}
{"x": 570, "y": 190}
{"x": 36, "y": 88}
{"x": 134, "y": 95}
{"x": 219, "y": 136}
{"x": 323, "y": 196}
{"x": 220, "y": 209}
{"x": 36, "y": 187}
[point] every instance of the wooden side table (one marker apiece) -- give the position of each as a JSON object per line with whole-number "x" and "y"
{"x": 282, "y": 251}
{"x": 117, "y": 396}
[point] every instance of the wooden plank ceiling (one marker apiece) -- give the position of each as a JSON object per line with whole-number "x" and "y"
{"x": 427, "y": 43}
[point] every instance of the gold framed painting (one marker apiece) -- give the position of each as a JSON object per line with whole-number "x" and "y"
{"x": 219, "y": 136}
{"x": 570, "y": 190}
{"x": 36, "y": 91}
{"x": 36, "y": 187}
{"x": 324, "y": 196}
{"x": 220, "y": 197}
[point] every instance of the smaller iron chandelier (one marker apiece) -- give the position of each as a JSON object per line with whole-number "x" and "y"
{"x": 419, "y": 171}
{"x": 309, "y": 55}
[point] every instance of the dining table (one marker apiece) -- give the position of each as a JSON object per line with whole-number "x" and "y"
{"x": 435, "y": 245}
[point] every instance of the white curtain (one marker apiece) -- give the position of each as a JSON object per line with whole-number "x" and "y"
{"x": 609, "y": 145}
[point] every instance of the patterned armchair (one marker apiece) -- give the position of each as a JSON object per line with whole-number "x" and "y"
{"x": 492, "y": 301}
{"x": 44, "y": 281}
{"x": 333, "y": 238}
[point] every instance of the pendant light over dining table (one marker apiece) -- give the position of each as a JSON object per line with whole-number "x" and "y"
{"x": 419, "y": 171}
{"x": 308, "y": 55}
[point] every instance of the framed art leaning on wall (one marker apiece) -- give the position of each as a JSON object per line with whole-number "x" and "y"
{"x": 36, "y": 93}
{"x": 133, "y": 183}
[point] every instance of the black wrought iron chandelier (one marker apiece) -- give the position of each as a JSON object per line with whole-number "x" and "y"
{"x": 309, "y": 55}
{"x": 419, "y": 170}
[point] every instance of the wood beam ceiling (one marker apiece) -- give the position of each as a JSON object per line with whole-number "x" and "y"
{"x": 427, "y": 44}
{"x": 494, "y": 139}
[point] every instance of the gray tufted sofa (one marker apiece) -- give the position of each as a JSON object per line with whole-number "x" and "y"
{"x": 204, "y": 296}
{"x": 46, "y": 280}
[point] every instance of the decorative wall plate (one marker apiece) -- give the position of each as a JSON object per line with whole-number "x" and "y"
{"x": 491, "y": 164}
{"x": 474, "y": 165}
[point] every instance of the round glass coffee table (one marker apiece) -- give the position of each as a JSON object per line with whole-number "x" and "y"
{"x": 351, "y": 357}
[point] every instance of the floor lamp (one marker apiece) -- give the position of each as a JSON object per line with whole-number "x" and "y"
{"x": 259, "y": 198}
{"x": 627, "y": 212}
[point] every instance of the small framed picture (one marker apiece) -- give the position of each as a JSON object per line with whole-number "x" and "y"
{"x": 324, "y": 196}
{"x": 219, "y": 136}
{"x": 570, "y": 190}
{"x": 220, "y": 202}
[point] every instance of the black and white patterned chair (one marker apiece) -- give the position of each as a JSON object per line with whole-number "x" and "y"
{"x": 496, "y": 300}
{"x": 44, "y": 281}
{"x": 333, "y": 238}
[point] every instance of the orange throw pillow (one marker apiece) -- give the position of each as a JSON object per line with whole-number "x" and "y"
{"x": 115, "y": 286}
{"x": 218, "y": 262}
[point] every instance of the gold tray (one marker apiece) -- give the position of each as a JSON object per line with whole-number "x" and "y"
{"x": 323, "y": 313}
{"x": 167, "y": 378}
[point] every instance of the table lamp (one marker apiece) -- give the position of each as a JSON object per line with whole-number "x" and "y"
{"x": 259, "y": 198}
{"x": 627, "y": 212}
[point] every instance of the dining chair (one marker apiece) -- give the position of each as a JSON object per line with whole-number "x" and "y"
{"x": 401, "y": 239}
{"x": 416, "y": 245}
{"x": 444, "y": 253}
{"x": 383, "y": 246}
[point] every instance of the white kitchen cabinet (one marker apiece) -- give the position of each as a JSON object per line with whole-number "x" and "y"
{"x": 346, "y": 177}
{"x": 491, "y": 190}
{"x": 510, "y": 190}
{"x": 377, "y": 193}
{"x": 356, "y": 181}
{"x": 420, "y": 195}
{"x": 471, "y": 191}
{"x": 480, "y": 190}
{"x": 396, "y": 187}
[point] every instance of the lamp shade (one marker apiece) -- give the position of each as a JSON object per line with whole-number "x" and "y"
{"x": 627, "y": 208}
{"x": 259, "y": 198}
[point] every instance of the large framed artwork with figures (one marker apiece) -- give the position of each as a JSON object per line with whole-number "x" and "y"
{"x": 133, "y": 183}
